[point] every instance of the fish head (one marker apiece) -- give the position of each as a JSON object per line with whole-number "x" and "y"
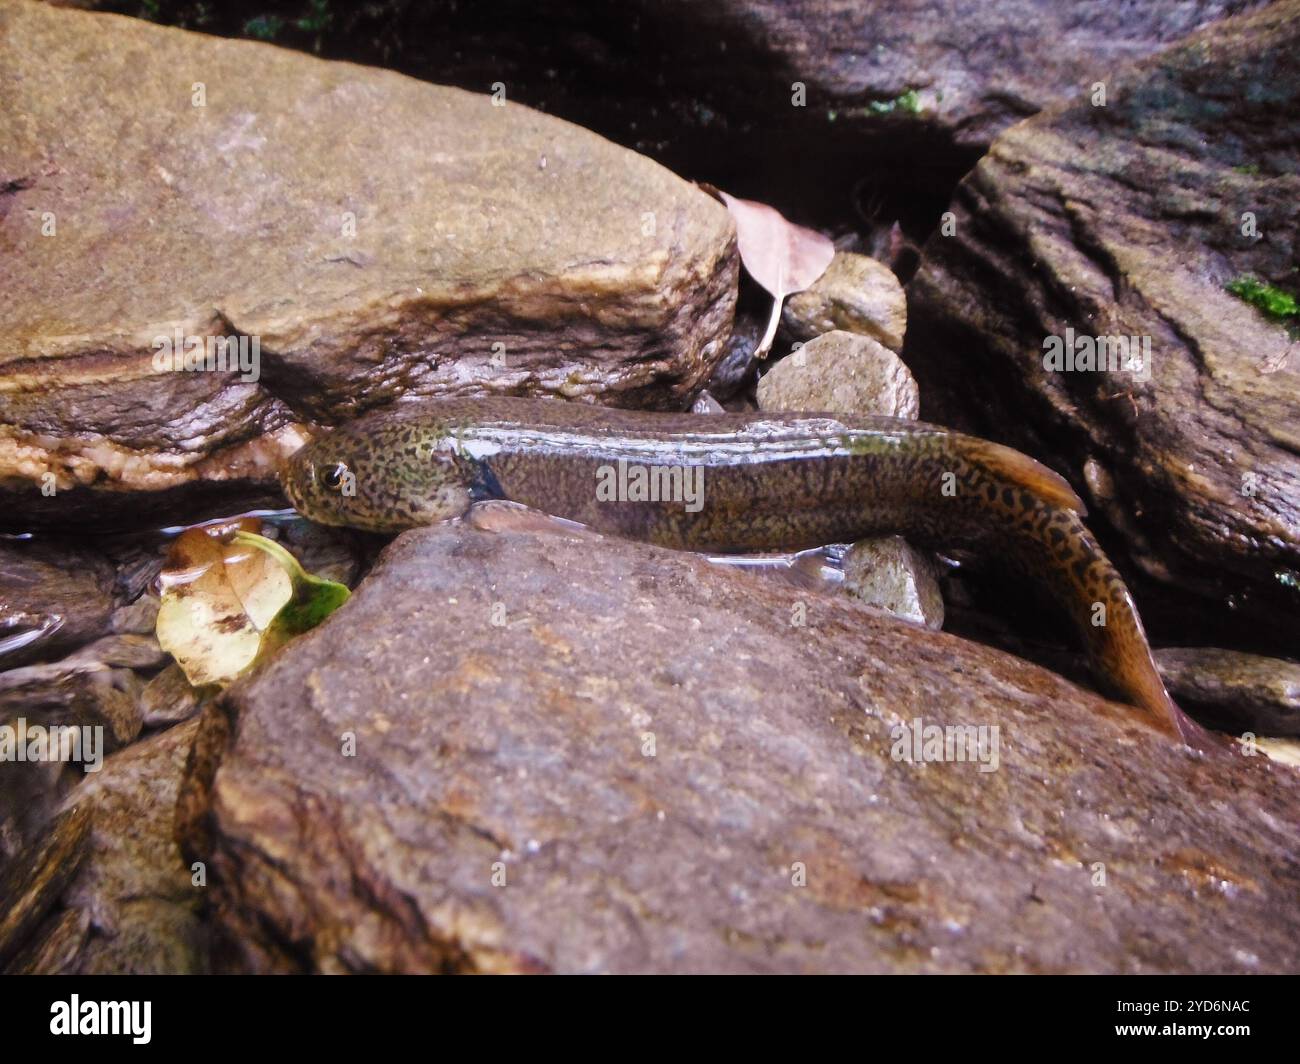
{"x": 381, "y": 475}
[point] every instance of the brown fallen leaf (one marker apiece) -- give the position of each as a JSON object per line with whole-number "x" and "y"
{"x": 782, "y": 257}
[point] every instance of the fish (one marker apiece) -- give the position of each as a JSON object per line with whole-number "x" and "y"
{"x": 730, "y": 483}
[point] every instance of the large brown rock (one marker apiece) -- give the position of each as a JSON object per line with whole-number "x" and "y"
{"x": 900, "y": 97}
{"x": 522, "y": 751}
{"x": 975, "y": 68}
{"x": 1129, "y": 219}
{"x": 377, "y": 235}
{"x": 103, "y": 889}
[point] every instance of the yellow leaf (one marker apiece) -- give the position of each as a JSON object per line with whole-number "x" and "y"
{"x": 218, "y": 599}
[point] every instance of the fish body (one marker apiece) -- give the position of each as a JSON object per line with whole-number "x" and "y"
{"x": 737, "y": 482}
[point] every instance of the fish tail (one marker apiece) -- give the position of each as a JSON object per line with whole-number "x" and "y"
{"x": 1066, "y": 559}
{"x": 1031, "y": 519}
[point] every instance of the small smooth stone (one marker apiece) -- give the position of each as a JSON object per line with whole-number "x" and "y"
{"x": 857, "y": 294}
{"x": 168, "y": 698}
{"x": 1249, "y": 691}
{"x": 842, "y": 373}
{"x": 137, "y": 618}
{"x": 889, "y": 573}
{"x": 81, "y": 693}
{"x": 706, "y": 404}
{"x": 129, "y": 651}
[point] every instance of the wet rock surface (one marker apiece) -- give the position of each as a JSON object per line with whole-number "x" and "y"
{"x": 1130, "y": 220}
{"x": 51, "y": 601}
{"x": 1238, "y": 692}
{"x": 495, "y": 249}
{"x": 668, "y": 753}
{"x": 138, "y": 893}
{"x": 842, "y": 373}
{"x": 31, "y": 884}
{"x": 103, "y": 889}
{"x": 86, "y": 695}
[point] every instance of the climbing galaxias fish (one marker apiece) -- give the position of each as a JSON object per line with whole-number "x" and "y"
{"x": 764, "y": 482}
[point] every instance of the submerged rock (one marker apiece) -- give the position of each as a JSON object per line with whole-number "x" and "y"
{"x": 31, "y": 883}
{"x": 515, "y": 751}
{"x": 843, "y": 373}
{"x": 856, "y": 294}
{"x": 375, "y": 236}
{"x": 76, "y": 693}
{"x": 1131, "y": 220}
{"x": 140, "y": 896}
{"x": 169, "y": 697}
{"x": 132, "y": 651}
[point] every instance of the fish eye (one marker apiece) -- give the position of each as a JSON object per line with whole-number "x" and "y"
{"x": 331, "y": 476}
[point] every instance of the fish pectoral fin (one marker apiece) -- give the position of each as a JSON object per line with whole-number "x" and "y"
{"x": 501, "y": 515}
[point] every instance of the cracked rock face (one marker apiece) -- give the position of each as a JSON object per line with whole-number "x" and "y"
{"x": 377, "y": 236}
{"x": 517, "y": 751}
{"x": 1129, "y": 220}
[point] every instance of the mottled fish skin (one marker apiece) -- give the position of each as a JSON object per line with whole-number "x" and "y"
{"x": 775, "y": 482}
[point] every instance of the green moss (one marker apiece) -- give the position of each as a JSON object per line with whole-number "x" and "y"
{"x": 318, "y": 17}
{"x": 1247, "y": 168}
{"x": 908, "y": 101}
{"x": 264, "y": 27}
{"x": 1270, "y": 300}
